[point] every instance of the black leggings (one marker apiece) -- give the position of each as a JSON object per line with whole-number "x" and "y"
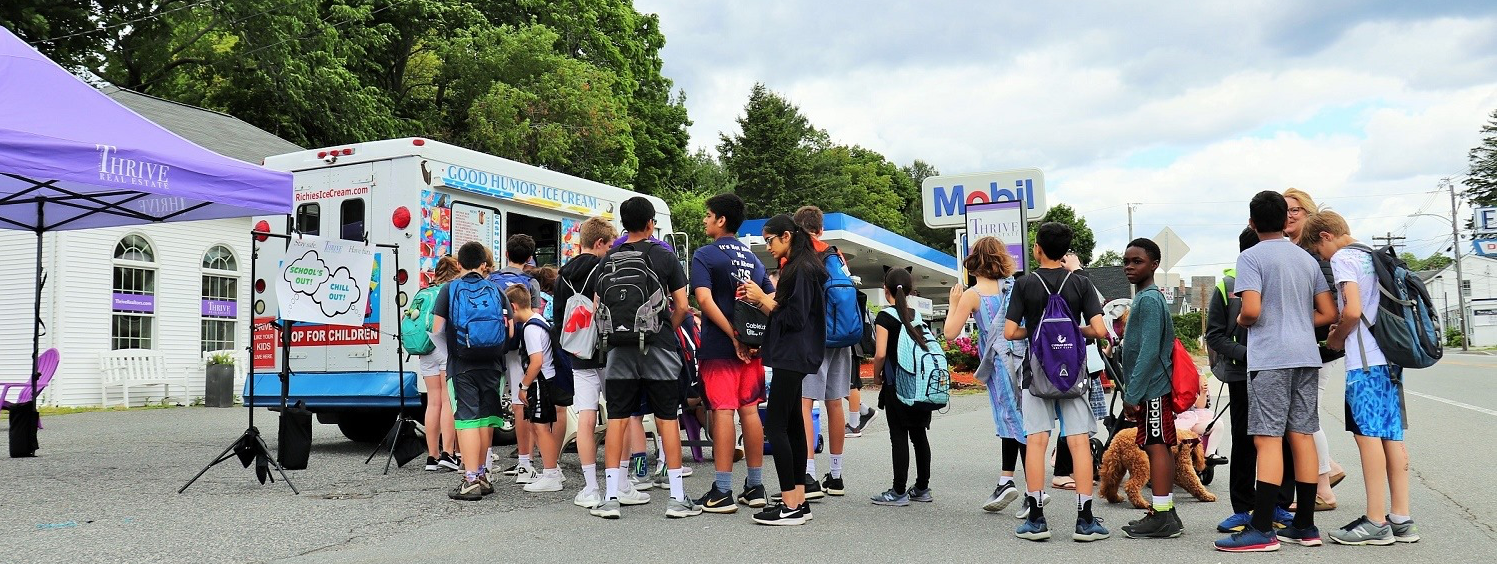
{"x": 905, "y": 428}
{"x": 785, "y": 428}
{"x": 1013, "y": 450}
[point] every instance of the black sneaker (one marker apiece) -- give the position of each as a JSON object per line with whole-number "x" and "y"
{"x": 718, "y": 501}
{"x": 486, "y": 487}
{"x": 1155, "y": 525}
{"x": 832, "y": 486}
{"x": 753, "y": 496}
{"x": 813, "y": 488}
{"x": 864, "y": 418}
{"x": 431, "y": 464}
{"x": 466, "y": 491}
{"x": 781, "y": 515}
{"x": 448, "y": 462}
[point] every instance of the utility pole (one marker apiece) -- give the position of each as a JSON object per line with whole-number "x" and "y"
{"x": 1390, "y": 241}
{"x": 1131, "y": 290}
{"x": 1460, "y": 279}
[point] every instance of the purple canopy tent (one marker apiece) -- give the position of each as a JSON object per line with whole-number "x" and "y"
{"x": 72, "y": 158}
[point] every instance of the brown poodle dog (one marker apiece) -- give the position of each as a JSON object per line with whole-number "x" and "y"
{"x": 1124, "y": 456}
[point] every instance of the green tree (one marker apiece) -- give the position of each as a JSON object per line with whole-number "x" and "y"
{"x": 1481, "y": 179}
{"x": 702, "y": 178}
{"x": 1436, "y": 261}
{"x": 943, "y": 240}
{"x": 1109, "y": 258}
{"x": 66, "y": 32}
{"x": 1083, "y": 241}
{"x": 771, "y": 156}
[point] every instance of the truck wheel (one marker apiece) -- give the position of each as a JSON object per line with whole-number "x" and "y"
{"x": 366, "y": 427}
{"x": 505, "y": 434}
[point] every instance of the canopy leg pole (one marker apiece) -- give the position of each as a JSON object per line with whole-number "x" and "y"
{"x": 36, "y": 319}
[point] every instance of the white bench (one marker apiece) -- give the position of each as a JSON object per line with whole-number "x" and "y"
{"x": 131, "y": 368}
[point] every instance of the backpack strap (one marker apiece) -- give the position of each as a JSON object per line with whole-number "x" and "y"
{"x": 1062, "y": 285}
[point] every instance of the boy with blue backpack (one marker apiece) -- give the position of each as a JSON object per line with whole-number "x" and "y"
{"x": 830, "y": 384}
{"x": 518, "y": 251}
{"x": 545, "y": 385}
{"x": 471, "y": 314}
{"x": 1375, "y": 412}
{"x": 1058, "y": 310}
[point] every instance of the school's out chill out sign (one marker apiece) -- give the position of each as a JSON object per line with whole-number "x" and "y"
{"x": 944, "y": 199}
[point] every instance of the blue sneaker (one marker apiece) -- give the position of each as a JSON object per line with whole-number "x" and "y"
{"x": 1088, "y": 530}
{"x": 1234, "y": 523}
{"x": 1282, "y": 517}
{"x": 1249, "y": 540}
{"x": 1034, "y": 526}
{"x": 1308, "y": 536}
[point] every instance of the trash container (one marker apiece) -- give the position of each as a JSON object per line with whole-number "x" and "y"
{"x": 219, "y": 390}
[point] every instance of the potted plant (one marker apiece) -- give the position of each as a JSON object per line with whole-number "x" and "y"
{"x": 219, "y": 380}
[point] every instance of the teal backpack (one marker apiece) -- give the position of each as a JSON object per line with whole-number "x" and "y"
{"x": 415, "y": 325}
{"x": 923, "y": 377}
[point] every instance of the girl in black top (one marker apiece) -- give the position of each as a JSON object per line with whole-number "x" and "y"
{"x": 906, "y": 424}
{"x": 794, "y": 344}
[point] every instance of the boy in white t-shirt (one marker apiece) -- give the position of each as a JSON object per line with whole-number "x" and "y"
{"x": 548, "y": 434}
{"x": 1374, "y": 399}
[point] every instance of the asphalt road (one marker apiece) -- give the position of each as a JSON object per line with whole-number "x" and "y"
{"x": 104, "y": 490}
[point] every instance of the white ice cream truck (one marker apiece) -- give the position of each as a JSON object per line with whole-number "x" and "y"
{"x": 427, "y": 198}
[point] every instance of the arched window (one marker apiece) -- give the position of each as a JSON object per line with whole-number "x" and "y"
{"x": 133, "y": 325}
{"x": 220, "y": 299}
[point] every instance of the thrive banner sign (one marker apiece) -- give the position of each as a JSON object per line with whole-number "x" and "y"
{"x": 325, "y": 281}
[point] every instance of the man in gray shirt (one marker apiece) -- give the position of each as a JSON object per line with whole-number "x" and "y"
{"x": 1284, "y": 297}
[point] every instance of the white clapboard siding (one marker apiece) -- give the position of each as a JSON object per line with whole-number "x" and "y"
{"x": 18, "y": 287}
{"x": 82, "y": 284}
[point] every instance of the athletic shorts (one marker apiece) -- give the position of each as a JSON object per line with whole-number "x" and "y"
{"x": 822, "y": 385}
{"x": 475, "y": 398}
{"x": 435, "y": 362}
{"x": 1158, "y": 425}
{"x": 1040, "y": 415}
{"x": 587, "y": 384}
{"x": 731, "y": 383}
{"x": 1283, "y": 400}
{"x": 514, "y": 373}
{"x": 857, "y": 374}
{"x": 633, "y": 376}
{"x": 1375, "y": 404}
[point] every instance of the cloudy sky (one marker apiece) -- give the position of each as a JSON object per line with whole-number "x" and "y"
{"x": 1186, "y": 108}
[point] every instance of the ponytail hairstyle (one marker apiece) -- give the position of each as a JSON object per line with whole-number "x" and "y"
{"x": 899, "y": 283}
{"x": 447, "y": 269}
{"x": 802, "y": 253}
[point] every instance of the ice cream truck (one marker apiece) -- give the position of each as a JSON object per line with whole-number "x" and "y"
{"x": 415, "y": 201}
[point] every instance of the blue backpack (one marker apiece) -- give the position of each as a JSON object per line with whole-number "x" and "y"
{"x": 844, "y": 321}
{"x": 922, "y": 375}
{"x": 560, "y": 362}
{"x": 1407, "y": 328}
{"x": 1056, "y": 366}
{"x": 477, "y": 310}
{"x": 504, "y": 280}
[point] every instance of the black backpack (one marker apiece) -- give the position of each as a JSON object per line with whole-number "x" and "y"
{"x": 865, "y": 347}
{"x": 631, "y": 299}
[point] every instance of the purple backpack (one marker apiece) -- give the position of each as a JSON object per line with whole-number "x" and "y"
{"x": 1056, "y": 367}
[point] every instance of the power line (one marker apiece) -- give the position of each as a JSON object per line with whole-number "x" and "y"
{"x": 145, "y": 18}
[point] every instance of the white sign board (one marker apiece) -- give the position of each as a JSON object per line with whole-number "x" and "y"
{"x": 1486, "y": 247}
{"x": 325, "y": 281}
{"x": 1171, "y": 248}
{"x": 944, "y": 199}
{"x": 922, "y": 305}
{"x": 472, "y": 223}
{"x": 1004, "y": 220}
{"x": 1485, "y": 220}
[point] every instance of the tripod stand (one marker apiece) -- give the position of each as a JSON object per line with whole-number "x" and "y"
{"x": 250, "y": 448}
{"x": 392, "y": 438}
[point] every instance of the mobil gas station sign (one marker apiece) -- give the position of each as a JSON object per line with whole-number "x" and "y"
{"x": 944, "y": 199}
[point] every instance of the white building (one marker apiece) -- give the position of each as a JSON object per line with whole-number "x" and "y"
{"x": 1480, "y": 274}
{"x": 175, "y": 288}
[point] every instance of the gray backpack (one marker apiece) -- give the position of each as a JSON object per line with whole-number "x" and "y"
{"x": 631, "y": 299}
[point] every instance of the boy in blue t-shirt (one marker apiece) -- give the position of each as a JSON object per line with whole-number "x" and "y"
{"x": 1374, "y": 408}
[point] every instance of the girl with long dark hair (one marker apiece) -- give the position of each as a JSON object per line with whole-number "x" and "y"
{"x": 794, "y": 345}
{"x": 907, "y": 425}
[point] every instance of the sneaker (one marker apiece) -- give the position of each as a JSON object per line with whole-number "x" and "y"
{"x": 1234, "y": 523}
{"x": 813, "y": 488}
{"x": 921, "y": 494}
{"x": 1308, "y": 536}
{"x": 1089, "y": 530}
{"x": 588, "y": 498}
{"x": 1023, "y": 512}
{"x": 780, "y": 515}
{"x": 1155, "y": 525}
{"x": 1282, "y": 517}
{"x": 1404, "y": 532}
{"x": 484, "y": 484}
{"x": 1249, "y": 540}
{"x": 607, "y": 510}
{"x": 865, "y": 418}
{"x": 833, "y": 486}
{"x": 1363, "y": 532}
{"x": 466, "y": 491}
{"x": 633, "y": 496}
{"x": 431, "y": 464}
{"x": 753, "y": 496}
{"x": 681, "y": 509}
{"x": 851, "y": 432}
{"x": 545, "y": 483}
{"x": 686, "y": 471}
{"x": 892, "y": 498}
{"x": 642, "y": 483}
{"x": 1034, "y": 526}
{"x": 717, "y": 501}
{"x": 447, "y": 461}
{"x": 526, "y": 475}
{"x": 512, "y": 470}
{"x": 1003, "y": 495}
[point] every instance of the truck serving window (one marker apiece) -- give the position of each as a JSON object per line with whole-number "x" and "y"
{"x": 309, "y": 219}
{"x": 352, "y": 219}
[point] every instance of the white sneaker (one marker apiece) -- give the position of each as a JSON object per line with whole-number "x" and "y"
{"x": 545, "y": 483}
{"x": 588, "y": 498}
{"x": 525, "y": 475}
{"x": 685, "y": 471}
{"x": 633, "y": 496}
{"x": 1023, "y": 512}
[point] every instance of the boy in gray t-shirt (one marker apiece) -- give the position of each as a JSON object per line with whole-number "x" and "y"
{"x": 1284, "y": 297}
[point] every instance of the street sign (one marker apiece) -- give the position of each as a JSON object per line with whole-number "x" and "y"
{"x": 1485, "y": 220}
{"x": 1171, "y": 248}
{"x": 944, "y": 199}
{"x": 1486, "y": 247}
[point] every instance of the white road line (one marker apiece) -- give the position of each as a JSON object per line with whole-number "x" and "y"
{"x": 1452, "y": 402}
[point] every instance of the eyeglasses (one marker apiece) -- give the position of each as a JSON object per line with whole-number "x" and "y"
{"x": 768, "y": 239}
{"x": 1296, "y": 211}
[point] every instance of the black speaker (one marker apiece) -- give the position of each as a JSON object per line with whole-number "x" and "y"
{"x": 294, "y": 446}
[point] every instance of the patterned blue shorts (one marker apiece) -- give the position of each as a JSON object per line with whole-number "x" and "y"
{"x": 1375, "y": 403}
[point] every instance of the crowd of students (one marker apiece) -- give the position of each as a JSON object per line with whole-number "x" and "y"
{"x": 1294, "y": 313}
